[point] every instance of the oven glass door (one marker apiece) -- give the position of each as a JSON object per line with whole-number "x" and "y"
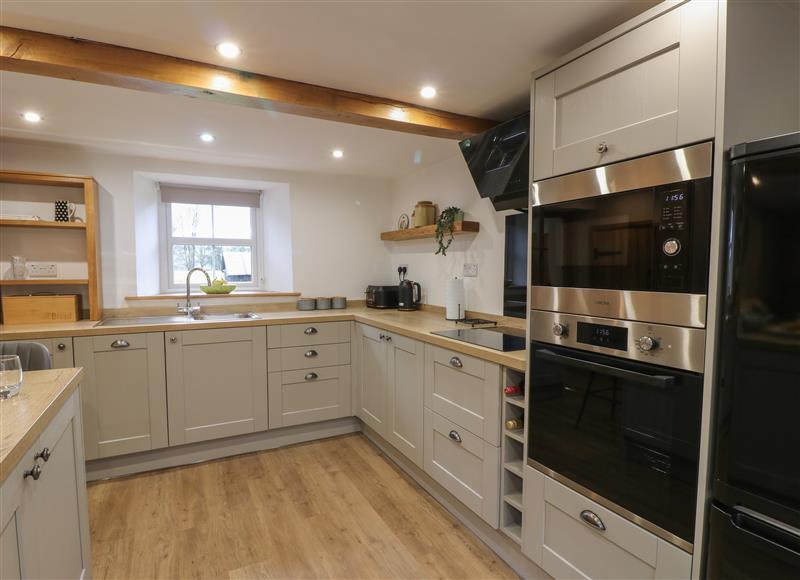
{"x": 627, "y": 431}
{"x": 653, "y": 239}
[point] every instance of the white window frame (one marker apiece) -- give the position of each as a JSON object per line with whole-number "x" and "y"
{"x": 167, "y": 241}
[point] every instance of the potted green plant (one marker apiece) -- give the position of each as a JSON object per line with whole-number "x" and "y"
{"x": 444, "y": 227}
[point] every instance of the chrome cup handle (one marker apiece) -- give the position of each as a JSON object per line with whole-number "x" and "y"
{"x": 593, "y": 520}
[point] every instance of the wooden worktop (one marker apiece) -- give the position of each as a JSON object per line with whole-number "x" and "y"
{"x": 24, "y": 417}
{"x": 417, "y": 325}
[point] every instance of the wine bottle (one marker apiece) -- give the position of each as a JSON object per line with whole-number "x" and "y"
{"x": 514, "y": 424}
{"x": 512, "y": 390}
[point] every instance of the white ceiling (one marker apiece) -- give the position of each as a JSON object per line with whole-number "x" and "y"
{"x": 479, "y": 54}
{"x": 168, "y": 126}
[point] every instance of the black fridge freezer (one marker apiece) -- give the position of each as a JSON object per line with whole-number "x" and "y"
{"x": 754, "y": 524}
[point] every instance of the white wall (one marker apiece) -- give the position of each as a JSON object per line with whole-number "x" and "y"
{"x": 449, "y": 183}
{"x": 336, "y": 220}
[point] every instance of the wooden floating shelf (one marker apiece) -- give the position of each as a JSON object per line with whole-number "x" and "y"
{"x": 42, "y": 224}
{"x": 464, "y": 227}
{"x": 44, "y": 282}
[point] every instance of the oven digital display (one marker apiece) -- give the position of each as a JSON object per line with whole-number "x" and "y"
{"x": 602, "y": 335}
{"x": 675, "y": 196}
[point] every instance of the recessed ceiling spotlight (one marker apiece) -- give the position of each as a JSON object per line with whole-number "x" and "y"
{"x": 228, "y": 49}
{"x": 337, "y": 153}
{"x": 206, "y": 137}
{"x": 31, "y": 116}
{"x": 428, "y": 92}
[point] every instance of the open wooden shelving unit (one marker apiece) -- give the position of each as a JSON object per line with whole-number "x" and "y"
{"x": 42, "y": 224}
{"x": 44, "y": 282}
{"x": 459, "y": 228}
{"x": 89, "y": 229}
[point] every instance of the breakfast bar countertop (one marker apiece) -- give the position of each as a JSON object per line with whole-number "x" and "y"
{"x": 24, "y": 417}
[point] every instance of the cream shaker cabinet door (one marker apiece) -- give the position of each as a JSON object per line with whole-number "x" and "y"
{"x": 216, "y": 383}
{"x": 405, "y": 379}
{"x": 124, "y": 393}
{"x": 650, "y": 89}
{"x": 50, "y": 519}
{"x": 60, "y": 351}
{"x": 373, "y": 392}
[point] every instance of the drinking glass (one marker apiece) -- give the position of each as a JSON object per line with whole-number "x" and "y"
{"x": 10, "y": 375}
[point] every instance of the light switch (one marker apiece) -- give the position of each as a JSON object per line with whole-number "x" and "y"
{"x": 470, "y": 270}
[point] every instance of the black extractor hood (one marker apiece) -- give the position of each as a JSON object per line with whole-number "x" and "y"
{"x": 498, "y": 162}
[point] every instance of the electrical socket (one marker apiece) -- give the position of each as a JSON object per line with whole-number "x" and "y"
{"x": 470, "y": 270}
{"x": 42, "y": 269}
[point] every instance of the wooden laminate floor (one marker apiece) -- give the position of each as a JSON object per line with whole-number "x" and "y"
{"x": 334, "y": 508}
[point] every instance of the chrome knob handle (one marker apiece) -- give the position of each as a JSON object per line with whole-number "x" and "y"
{"x": 560, "y": 329}
{"x": 602, "y": 147}
{"x": 388, "y": 338}
{"x": 593, "y": 520}
{"x": 311, "y": 376}
{"x": 61, "y": 346}
{"x": 647, "y": 343}
{"x": 120, "y": 343}
{"x": 672, "y": 247}
{"x": 310, "y": 353}
{"x": 456, "y": 362}
{"x": 455, "y": 436}
{"x": 173, "y": 339}
{"x": 381, "y": 336}
{"x": 44, "y": 454}
{"x": 310, "y": 330}
{"x": 35, "y": 473}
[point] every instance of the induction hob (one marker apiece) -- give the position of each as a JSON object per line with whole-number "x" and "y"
{"x": 498, "y": 338}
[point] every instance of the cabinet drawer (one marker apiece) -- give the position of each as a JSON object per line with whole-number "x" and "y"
{"x": 309, "y": 395}
{"x": 465, "y": 390}
{"x": 464, "y": 464}
{"x": 307, "y": 334}
{"x": 119, "y": 342}
{"x": 306, "y": 357}
{"x": 565, "y": 546}
{"x": 619, "y": 531}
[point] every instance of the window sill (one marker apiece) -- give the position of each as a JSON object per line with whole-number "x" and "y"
{"x": 234, "y": 294}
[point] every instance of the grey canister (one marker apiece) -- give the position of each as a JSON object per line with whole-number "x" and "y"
{"x": 339, "y": 302}
{"x": 323, "y": 303}
{"x": 306, "y": 304}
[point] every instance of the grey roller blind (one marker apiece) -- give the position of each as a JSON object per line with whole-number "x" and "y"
{"x": 209, "y": 195}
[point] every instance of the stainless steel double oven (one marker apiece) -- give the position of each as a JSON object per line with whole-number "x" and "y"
{"x": 619, "y": 275}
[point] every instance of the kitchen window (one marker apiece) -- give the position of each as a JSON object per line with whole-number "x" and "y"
{"x": 213, "y": 229}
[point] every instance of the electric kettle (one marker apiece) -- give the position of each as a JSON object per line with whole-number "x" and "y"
{"x": 409, "y": 295}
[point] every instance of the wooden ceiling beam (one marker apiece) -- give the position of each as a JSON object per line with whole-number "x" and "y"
{"x": 107, "y": 64}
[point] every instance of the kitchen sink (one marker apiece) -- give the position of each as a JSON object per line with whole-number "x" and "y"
{"x": 176, "y": 319}
{"x": 202, "y": 316}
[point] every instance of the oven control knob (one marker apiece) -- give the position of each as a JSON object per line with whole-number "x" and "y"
{"x": 560, "y": 329}
{"x": 672, "y": 246}
{"x": 647, "y": 343}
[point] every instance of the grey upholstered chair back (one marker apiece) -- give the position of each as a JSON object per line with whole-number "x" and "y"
{"x": 32, "y": 355}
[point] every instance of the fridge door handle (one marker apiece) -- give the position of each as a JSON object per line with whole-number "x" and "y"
{"x": 766, "y": 528}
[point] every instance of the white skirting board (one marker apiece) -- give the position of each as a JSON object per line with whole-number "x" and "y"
{"x": 501, "y": 545}
{"x": 216, "y": 449}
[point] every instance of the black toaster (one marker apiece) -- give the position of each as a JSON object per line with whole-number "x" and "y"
{"x": 382, "y": 296}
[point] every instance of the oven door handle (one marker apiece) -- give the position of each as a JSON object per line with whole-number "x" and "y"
{"x": 660, "y": 381}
